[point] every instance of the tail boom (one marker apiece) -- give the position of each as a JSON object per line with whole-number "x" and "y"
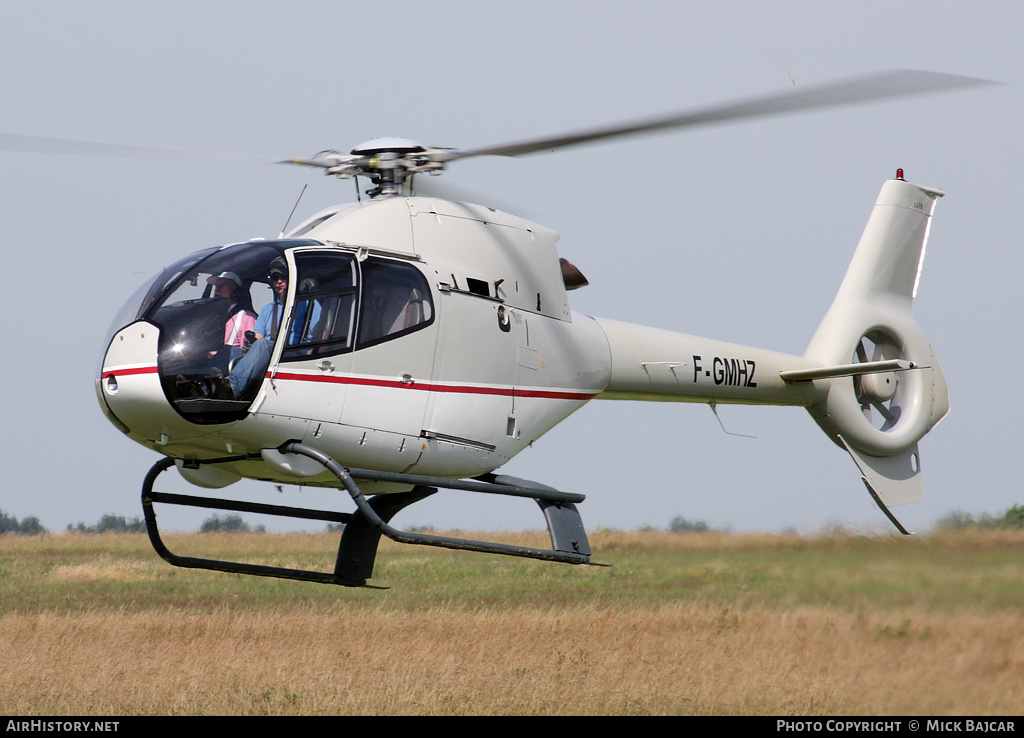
{"x": 661, "y": 365}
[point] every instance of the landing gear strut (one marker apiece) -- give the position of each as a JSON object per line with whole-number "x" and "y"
{"x": 363, "y": 528}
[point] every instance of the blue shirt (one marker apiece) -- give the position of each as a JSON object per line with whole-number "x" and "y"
{"x": 264, "y": 323}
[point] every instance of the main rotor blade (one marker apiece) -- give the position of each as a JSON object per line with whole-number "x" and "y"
{"x": 888, "y": 85}
{"x": 42, "y": 145}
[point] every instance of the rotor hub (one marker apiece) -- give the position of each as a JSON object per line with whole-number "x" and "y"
{"x": 879, "y": 387}
{"x": 378, "y": 146}
{"x": 387, "y": 162}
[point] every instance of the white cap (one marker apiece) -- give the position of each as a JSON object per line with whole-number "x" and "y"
{"x": 225, "y": 275}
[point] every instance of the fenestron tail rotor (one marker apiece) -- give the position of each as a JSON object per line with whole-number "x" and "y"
{"x": 879, "y": 393}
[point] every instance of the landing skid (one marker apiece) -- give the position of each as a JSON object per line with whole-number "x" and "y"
{"x": 357, "y": 550}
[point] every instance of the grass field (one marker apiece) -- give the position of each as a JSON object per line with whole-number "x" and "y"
{"x": 682, "y": 624}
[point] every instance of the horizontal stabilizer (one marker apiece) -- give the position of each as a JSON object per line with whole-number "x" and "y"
{"x": 848, "y": 370}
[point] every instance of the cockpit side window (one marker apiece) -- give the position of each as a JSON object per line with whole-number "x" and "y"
{"x": 325, "y": 306}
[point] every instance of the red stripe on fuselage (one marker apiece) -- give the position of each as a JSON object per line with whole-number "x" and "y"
{"x": 127, "y": 372}
{"x": 397, "y": 384}
{"x": 427, "y": 387}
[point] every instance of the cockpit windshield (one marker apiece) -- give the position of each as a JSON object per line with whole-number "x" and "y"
{"x": 205, "y": 314}
{"x": 140, "y": 301}
{"x": 220, "y": 313}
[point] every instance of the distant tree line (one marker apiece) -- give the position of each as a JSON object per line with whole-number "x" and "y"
{"x": 110, "y": 523}
{"x": 680, "y": 524}
{"x": 229, "y": 524}
{"x": 1012, "y": 519}
{"x": 28, "y": 527}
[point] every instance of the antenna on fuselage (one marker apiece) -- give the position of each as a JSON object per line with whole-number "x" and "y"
{"x": 292, "y": 213}
{"x": 714, "y": 409}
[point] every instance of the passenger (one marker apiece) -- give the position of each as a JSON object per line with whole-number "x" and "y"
{"x": 241, "y": 316}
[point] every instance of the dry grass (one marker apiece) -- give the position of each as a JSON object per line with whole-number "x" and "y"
{"x": 675, "y": 659}
{"x": 90, "y": 626}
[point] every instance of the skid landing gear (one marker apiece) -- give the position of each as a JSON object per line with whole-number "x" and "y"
{"x": 363, "y": 528}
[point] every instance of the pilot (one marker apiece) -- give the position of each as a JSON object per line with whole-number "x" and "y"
{"x": 270, "y": 316}
{"x": 253, "y": 364}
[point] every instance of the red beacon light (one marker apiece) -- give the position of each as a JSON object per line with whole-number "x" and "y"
{"x": 899, "y": 175}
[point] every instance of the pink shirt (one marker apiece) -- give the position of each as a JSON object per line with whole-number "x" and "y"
{"x": 237, "y": 325}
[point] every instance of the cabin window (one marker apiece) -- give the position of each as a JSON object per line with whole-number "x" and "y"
{"x": 342, "y": 303}
{"x": 395, "y": 301}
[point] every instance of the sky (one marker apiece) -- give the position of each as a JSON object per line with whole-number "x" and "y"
{"x": 740, "y": 232}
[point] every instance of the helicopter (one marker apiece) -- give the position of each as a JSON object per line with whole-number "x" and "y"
{"x": 408, "y": 343}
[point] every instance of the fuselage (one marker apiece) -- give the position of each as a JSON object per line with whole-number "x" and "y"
{"x": 414, "y": 335}
{"x": 440, "y": 343}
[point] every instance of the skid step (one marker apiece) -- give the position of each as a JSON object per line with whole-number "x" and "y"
{"x": 363, "y": 528}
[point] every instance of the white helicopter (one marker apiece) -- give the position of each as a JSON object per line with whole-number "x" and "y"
{"x": 410, "y": 344}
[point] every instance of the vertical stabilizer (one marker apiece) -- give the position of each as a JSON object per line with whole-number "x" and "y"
{"x": 880, "y": 416}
